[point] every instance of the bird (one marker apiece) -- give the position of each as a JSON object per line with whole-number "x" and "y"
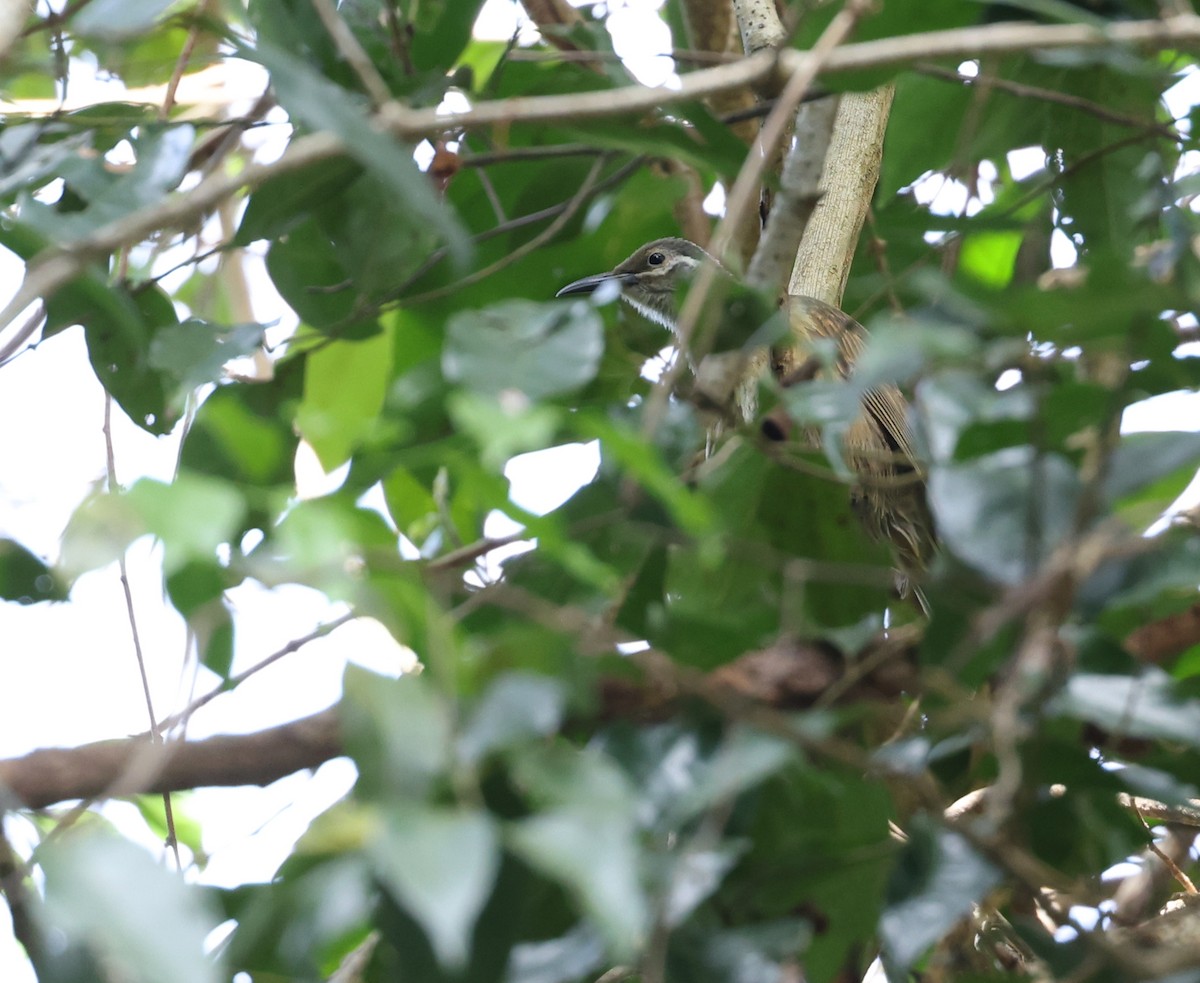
{"x": 888, "y": 495}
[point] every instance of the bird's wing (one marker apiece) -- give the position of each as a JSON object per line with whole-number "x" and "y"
{"x": 884, "y": 404}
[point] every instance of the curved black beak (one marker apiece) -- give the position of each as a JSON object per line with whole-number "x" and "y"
{"x": 589, "y": 284}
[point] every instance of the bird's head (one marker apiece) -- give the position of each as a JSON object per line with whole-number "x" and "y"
{"x": 650, "y": 278}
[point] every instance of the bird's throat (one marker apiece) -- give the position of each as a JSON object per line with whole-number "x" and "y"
{"x": 662, "y": 313}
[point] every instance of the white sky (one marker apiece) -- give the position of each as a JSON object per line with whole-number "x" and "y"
{"x": 69, "y": 671}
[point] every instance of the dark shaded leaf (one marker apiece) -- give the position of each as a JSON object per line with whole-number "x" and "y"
{"x": 320, "y": 105}
{"x": 934, "y": 885}
{"x": 24, "y": 578}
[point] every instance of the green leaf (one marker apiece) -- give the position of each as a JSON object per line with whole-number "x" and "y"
{"x": 345, "y": 383}
{"x": 516, "y": 708}
{"x": 106, "y": 890}
{"x": 1131, "y": 706}
{"x": 440, "y": 864}
{"x": 594, "y": 854}
{"x": 238, "y": 433}
{"x": 620, "y": 444}
{"x": 320, "y": 105}
{"x": 503, "y": 428}
{"x": 197, "y": 590}
{"x": 1140, "y": 459}
{"x": 120, "y": 326}
{"x": 746, "y": 758}
{"x": 195, "y": 351}
{"x": 990, "y": 257}
{"x": 695, "y": 877}
{"x": 764, "y": 952}
{"x": 535, "y": 349}
{"x": 1004, "y": 512}
{"x": 30, "y": 159}
{"x": 193, "y": 516}
{"x": 277, "y": 206}
{"x": 162, "y": 155}
{"x": 398, "y": 733}
{"x": 911, "y": 150}
{"x": 899, "y": 348}
{"x": 310, "y": 274}
{"x": 322, "y": 542}
{"x": 443, "y": 29}
{"x": 577, "y": 954}
{"x": 116, "y": 19}
{"x": 24, "y": 578}
{"x": 585, "y": 837}
{"x": 935, "y": 883}
{"x": 185, "y": 827}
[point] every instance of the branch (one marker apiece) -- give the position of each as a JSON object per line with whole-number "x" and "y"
{"x": 822, "y": 263}
{"x": 53, "y": 268}
{"x": 787, "y": 675}
{"x": 42, "y": 778}
{"x": 1165, "y": 638}
{"x": 967, "y": 42}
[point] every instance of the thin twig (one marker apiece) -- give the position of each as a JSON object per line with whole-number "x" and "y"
{"x": 1023, "y": 91}
{"x": 533, "y": 217}
{"x": 184, "y": 715}
{"x": 349, "y": 48}
{"x": 523, "y": 250}
{"x": 181, "y": 63}
{"x": 155, "y": 733}
{"x": 473, "y": 551}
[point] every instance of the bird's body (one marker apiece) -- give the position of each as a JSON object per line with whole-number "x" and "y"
{"x": 889, "y": 496}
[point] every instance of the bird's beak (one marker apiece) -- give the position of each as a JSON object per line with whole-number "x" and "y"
{"x": 590, "y": 284}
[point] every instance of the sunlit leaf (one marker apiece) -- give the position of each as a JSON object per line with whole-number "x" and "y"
{"x": 344, "y": 386}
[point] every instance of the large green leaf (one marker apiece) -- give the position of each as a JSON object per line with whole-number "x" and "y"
{"x": 1005, "y": 512}
{"x": 533, "y": 349}
{"x": 344, "y": 387}
{"x": 104, "y": 890}
{"x": 440, "y": 864}
{"x": 936, "y": 882}
{"x": 320, "y": 105}
{"x": 397, "y": 731}
{"x": 1148, "y": 705}
{"x": 24, "y": 577}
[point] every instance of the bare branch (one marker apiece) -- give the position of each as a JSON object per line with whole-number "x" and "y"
{"x": 53, "y": 268}
{"x": 42, "y": 778}
{"x": 1165, "y": 638}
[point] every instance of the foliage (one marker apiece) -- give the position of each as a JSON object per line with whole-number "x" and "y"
{"x": 532, "y": 807}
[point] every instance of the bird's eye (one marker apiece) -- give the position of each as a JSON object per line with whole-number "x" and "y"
{"x": 656, "y": 259}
